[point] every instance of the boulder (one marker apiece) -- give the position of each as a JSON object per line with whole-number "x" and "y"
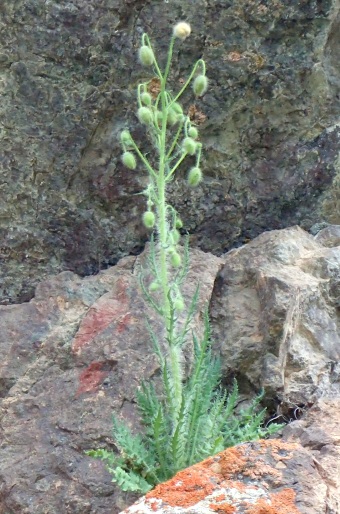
{"x": 79, "y": 350}
{"x": 275, "y": 316}
{"x": 71, "y": 357}
{"x": 299, "y": 474}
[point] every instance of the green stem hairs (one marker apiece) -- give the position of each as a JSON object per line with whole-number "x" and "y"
{"x": 191, "y": 418}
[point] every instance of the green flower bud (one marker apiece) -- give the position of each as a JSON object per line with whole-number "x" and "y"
{"x": 146, "y": 98}
{"x": 154, "y": 286}
{"x": 176, "y": 260}
{"x": 125, "y": 137}
{"x": 200, "y": 85}
{"x": 146, "y": 56}
{"x": 179, "y": 223}
{"x": 193, "y": 132}
{"x": 129, "y": 160}
{"x": 145, "y": 115}
{"x": 175, "y": 236}
{"x": 149, "y": 219}
{"x": 182, "y": 30}
{"x": 177, "y": 108}
{"x": 179, "y": 304}
{"x": 195, "y": 176}
{"x": 172, "y": 117}
{"x": 189, "y": 146}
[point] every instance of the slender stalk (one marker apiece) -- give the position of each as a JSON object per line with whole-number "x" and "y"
{"x": 174, "y": 357}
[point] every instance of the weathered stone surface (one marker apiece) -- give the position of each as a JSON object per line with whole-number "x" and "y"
{"x": 297, "y": 475}
{"x": 70, "y": 357}
{"x": 275, "y": 316}
{"x": 67, "y": 78}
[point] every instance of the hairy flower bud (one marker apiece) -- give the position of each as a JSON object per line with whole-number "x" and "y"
{"x": 177, "y": 108}
{"x": 200, "y": 85}
{"x": 182, "y": 30}
{"x": 149, "y": 219}
{"x": 176, "y": 236}
{"x": 193, "y": 132}
{"x": 195, "y": 176}
{"x": 145, "y": 115}
{"x": 154, "y": 286}
{"x": 179, "y": 304}
{"x": 189, "y": 146}
{"x": 129, "y": 160}
{"x": 176, "y": 260}
{"x": 146, "y": 56}
{"x": 146, "y": 98}
{"x": 125, "y": 137}
{"x": 172, "y": 117}
{"x": 179, "y": 223}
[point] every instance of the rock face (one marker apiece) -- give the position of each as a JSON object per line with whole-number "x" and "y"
{"x": 80, "y": 349}
{"x": 70, "y": 357}
{"x": 68, "y": 74}
{"x": 275, "y": 316}
{"x": 297, "y": 475}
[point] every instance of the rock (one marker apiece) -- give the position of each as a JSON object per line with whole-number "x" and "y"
{"x": 79, "y": 350}
{"x": 275, "y": 316}
{"x": 297, "y": 475}
{"x": 268, "y": 124}
{"x": 70, "y": 357}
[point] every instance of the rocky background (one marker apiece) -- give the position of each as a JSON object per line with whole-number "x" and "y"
{"x": 73, "y": 342}
{"x": 68, "y": 73}
{"x": 79, "y": 350}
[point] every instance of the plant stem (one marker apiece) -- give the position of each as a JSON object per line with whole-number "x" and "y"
{"x": 174, "y": 354}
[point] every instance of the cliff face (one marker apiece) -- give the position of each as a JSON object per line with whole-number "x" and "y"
{"x": 68, "y": 74}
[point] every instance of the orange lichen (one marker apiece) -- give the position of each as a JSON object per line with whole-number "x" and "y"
{"x": 282, "y": 502}
{"x": 232, "y": 462}
{"x": 225, "y": 470}
{"x": 186, "y": 488}
{"x": 219, "y": 498}
{"x": 222, "y": 508}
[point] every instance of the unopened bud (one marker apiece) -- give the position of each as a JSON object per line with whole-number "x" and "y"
{"x": 177, "y": 108}
{"x": 189, "y": 146}
{"x": 145, "y": 115}
{"x": 149, "y": 219}
{"x": 195, "y": 176}
{"x": 176, "y": 260}
{"x": 172, "y": 117}
{"x": 200, "y": 85}
{"x": 146, "y": 98}
{"x": 193, "y": 132}
{"x": 146, "y": 56}
{"x": 129, "y": 160}
{"x": 179, "y": 223}
{"x": 154, "y": 286}
{"x": 175, "y": 236}
{"x": 125, "y": 137}
{"x": 179, "y": 304}
{"x": 182, "y": 30}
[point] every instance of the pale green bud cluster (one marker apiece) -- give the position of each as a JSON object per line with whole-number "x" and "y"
{"x": 175, "y": 138}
